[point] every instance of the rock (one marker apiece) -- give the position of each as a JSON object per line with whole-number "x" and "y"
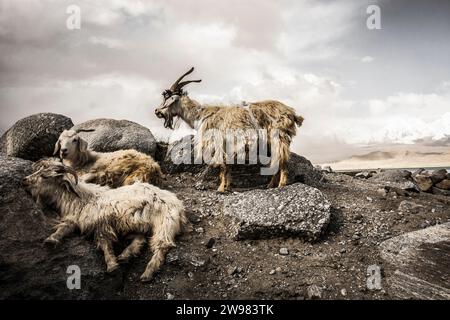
{"x": 272, "y": 272}
{"x": 34, "y": 137}
{"x": 314, "y": 292}
{"x": 438, "y": 175}
{"x": 169, "y": 296}
{"x": 400, "y": 179}
{"x": 410, "y": 206}
{"x": 444, "y": 184}
{"x": 327, "y": 169}
{"x": 420, "y": 261}
{"x": 28, "y": 268}
{"x": 382, "y": 192}
{"x": 179, "y": 159}
{"x": 295, "y": 210}
{"x": 364, "y": 174}
{"x": 284, "y": 251}
{"x": 210, "y": 243}
{"x": 344, "y": 292}
{"x": 418, "y": 171}
{"x": 423, "y": 182}
{"x": 441, "y": 192}
{"x": 112, "y": 135}
{"x": 232, "y": 270}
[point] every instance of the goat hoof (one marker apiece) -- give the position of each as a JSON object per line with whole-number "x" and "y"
{"x": 123, "y": 258}
{"x": 146, "y": 278}
{"x": 51, "y": 242}
{"x": 111, "y": 268}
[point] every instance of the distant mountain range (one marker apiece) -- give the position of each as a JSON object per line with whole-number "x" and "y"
{"x": 411, "y": 156}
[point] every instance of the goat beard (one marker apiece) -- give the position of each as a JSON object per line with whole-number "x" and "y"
{"x": 168, "y": 121}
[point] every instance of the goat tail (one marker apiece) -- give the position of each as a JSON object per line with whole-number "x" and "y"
{"x": 298, "y": 120}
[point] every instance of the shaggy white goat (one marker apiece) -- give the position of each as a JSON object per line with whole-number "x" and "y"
{"x": 109, "y": 213}
{"x": 115, "y": 169}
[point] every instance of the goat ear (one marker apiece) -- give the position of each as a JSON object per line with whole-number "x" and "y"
{"x": 70, "y": 186}
{"x": 57, "y": 147}
{"x": 82, "y": 145}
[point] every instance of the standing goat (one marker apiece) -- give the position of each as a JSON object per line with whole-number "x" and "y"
{"x": 109, "y": 213}
{"x": 115, "y": 169}
{"x": 273, "y": 116}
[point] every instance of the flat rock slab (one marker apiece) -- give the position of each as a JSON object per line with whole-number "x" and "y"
{"x": 295, "y": 210}
{"x": 421, "y": 262}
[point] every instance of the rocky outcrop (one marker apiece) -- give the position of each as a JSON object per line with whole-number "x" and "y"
{"x": 435, "y": 182}
{"x": 420, "y": 261}
{"x": 295, "y": 210}
{"x": 34, "y": 137}
{"x": 112, "y": 135}
{"x": 28, "y": 268}
{"x": 243, "y": 175}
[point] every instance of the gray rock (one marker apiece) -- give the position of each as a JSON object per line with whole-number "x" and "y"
{"x": 440, "y": 192}
{"x": 295, "y": 210}
{"x": 112, "y": 135}
{"x": 314, "y": 292}
{"x": 243, "y": 176}
{"x": 284, "y": 251}
{"x": 30, "y": 270}
{"x": 34, "y": 137}
{"x": 410, "y": 206}
{"x": 420, "y": 261}
{"x": 401, "y": 179}
{"x": 438, "y": 175}
{"x": 364, "y": 174}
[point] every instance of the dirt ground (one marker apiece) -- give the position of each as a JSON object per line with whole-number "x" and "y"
{"x": 208, "y": 264}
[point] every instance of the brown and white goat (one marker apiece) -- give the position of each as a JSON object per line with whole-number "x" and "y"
{"x": 114, "y": 169}
{"x": 106, "y": 213}
{"x": 273, "y": 116}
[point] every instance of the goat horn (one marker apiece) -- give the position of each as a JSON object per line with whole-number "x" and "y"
{"x": 182, "y": 84}
{"x": 71, "y": 171}
{"x": 84, "y": 130}
{"x": 174, "y": 87}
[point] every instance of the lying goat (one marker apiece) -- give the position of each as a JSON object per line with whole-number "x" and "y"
{"x": 273, "y": 116}
{"x": 115, "y": 169}
{"x": 109, "y": 213}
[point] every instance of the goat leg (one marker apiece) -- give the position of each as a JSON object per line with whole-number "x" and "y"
{"x": 62, "y": 230}
{"x": 110, "y": 259}
{"x": 133, "y": 250}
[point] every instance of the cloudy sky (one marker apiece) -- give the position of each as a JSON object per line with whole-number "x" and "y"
{"x": 354, "y": 86}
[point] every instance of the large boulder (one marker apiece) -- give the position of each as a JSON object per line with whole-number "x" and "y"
{"x": 419, "y": 263}
{"x": 34, "y": 137}
{"x": 28, "y": 268}
{"x": 243, "y": 175}
{"x": 438, "y": 175}
{"x": 295, "y": 210}
{"x": 399, "y": 179}
{"x": 112, "y": 135}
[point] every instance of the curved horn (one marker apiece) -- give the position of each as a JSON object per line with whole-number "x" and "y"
{"x": 71, "y": 171}
{"x": 174, "y": 87}
{"x": 182, "y": 84}
{"x": 84, "y": 130}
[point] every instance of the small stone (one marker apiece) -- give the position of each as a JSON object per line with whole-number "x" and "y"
{"x": 210, "y": 243}
{"x": 369, "y": 199}
{"x": 278, "y": 269}
{"x": 190, "y": 275}
{"x": 169, "y": 296}
{"x": 200, "y": 230}
{"x": 232, "y": 270}
{"x": 272, "y": 272}
{"x": 284, "y": 251}
{"x": 344, "y": 292}
{"x": 314, "y": 292}
{"x": 410, "y": 206}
